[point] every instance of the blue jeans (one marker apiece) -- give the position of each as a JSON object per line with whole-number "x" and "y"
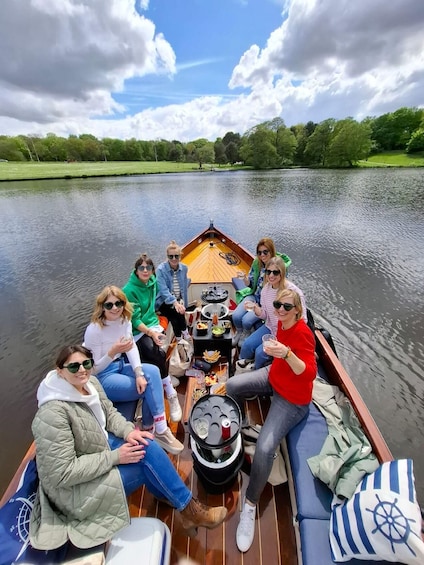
{"x": 242, "y": 319}
{"x": 252, "y": 348}
{"x": 281, "y": 418}
{"x": 118, "y": 381}
{"x": 155, "y": 471}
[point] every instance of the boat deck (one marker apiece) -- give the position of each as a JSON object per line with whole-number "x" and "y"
{"x": 274, "y": 541}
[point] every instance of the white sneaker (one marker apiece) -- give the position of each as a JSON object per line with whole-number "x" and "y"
{"x": 246, "y": 528}
{"x": 244, "y": 365}
{"x": 169, "y": 442}
{"x": 175, "y": 382}
{"x": 175, "y": 408}
{"x": 186, "y": 335}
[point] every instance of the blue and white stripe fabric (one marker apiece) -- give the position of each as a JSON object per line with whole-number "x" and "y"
{"x": 382, "y": 520}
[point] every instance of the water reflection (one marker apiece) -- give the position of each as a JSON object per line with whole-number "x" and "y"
{"x": 355, "y": 238}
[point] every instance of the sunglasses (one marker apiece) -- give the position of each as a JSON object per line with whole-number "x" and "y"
{"x": 74, "y": 367}
{"x": 264, "y": 252}
{"x": 145, "y": 268}
{"x": 271, "y": 272}
{"x": 110, "y": 305}
{"x": 286, "y": 305}
{"x": 173, "y": 256}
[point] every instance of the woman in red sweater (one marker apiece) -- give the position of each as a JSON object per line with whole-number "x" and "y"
{"x": 289, "y": 380}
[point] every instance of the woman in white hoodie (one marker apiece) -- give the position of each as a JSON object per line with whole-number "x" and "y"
{"x": 89, "y": 458}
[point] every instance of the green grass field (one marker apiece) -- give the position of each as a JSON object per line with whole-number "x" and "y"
{"x": 28, "y": 171}
{"x": 394, "y": 159}
{"x": 21, "y": 171}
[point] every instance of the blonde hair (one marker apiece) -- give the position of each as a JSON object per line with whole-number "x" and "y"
{"x": 98, "y": 316}
{"x": 281, "y": 266}
{"x": 173, "y": 246}
{"x": 296, "y": 300}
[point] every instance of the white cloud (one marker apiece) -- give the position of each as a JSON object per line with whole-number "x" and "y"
{"x": 61, "y": 62}
{"x": 64, "y": 58}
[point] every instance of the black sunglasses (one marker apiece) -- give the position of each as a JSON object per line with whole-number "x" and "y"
{"x": 110, "y": 305}
{"x": 286, "y": 305}
{"x": 271, "y": 272}
{"x": 264, "y": 252}
{"x": 145, "y": 268}
{"x": 173, "y": 256}
{"x": 74, "y": 367}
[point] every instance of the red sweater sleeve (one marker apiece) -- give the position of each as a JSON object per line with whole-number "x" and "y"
{"x": 295, "y": 388}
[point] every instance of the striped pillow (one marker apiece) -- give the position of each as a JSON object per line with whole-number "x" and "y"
{"x": 382, "y": 520}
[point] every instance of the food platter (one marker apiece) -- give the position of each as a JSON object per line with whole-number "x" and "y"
{"x": 211, "y": 356}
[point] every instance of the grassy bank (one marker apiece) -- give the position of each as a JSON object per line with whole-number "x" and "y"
{"x": 394, "y": 159}
{"x": 28, "y": 171}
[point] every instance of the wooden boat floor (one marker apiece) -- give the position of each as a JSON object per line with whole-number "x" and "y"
{"x": 274, "y": 541}
{"x": 208, "y": 263}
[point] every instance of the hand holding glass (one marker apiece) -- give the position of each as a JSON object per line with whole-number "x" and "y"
{"x": 267, "y": 339}
{"x": 249, "y": 305}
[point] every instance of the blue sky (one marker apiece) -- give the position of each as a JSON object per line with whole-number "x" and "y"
{"x": 184, "y": 69}
{"x": 207, "y": 39}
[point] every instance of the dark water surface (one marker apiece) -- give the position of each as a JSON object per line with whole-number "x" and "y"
{"x": 356, "y": 240}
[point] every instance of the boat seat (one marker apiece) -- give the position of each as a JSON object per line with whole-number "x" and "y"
{"x": 145, "y": 540}
{"x": 316, "y": 548}
{"x": 303, "y": 441}
{"x": 313, "y": 511}
{"x": 238, "y": 283}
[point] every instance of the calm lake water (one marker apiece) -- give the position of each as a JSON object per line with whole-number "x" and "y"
{"x": 356, "y": 240}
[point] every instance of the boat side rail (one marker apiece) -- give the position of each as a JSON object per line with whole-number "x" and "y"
{"x": 339, "y": 376}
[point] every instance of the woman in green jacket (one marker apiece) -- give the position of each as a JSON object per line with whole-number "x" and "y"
{"x": 141, "y": 290}
{"x": 89, "y": 458}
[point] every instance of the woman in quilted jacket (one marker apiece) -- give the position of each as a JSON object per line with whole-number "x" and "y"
{"x": 89, "y": 458}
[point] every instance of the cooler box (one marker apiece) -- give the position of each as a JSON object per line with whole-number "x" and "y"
{"x": 145, "y": 540}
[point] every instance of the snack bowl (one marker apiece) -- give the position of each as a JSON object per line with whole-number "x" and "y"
{"x": 211, "y": 356}
{"x": 201, "y": 328}
{"x": 218, "y": 331}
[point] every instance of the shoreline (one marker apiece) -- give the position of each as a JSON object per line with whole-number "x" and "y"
{"x": 12, "y": 171}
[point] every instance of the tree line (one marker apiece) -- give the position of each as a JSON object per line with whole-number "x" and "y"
{"x": 270, "y": 144}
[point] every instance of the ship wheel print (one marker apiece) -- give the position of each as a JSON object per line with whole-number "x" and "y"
{"x": 22, "y": 521}
{"x": 391, "y": 523}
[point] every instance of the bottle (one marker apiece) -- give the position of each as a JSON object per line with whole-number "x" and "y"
{"x": 215, "y": 319}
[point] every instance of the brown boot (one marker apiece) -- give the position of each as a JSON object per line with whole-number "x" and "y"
{"x": 196, "y": 514}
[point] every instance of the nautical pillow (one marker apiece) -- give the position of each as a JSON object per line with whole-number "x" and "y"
{"x": 382, "y": 520}
{"x": 14, "y": 525}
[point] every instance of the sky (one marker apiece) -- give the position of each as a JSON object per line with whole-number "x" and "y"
{"x": 189, "y": 69}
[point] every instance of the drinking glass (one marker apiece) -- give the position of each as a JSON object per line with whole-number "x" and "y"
{"x": 201, "y": 428}
{"x": 249, "y": 305}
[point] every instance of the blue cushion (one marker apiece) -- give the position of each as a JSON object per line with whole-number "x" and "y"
{"x": 314, "y": 536}
{"x": 238, "y": 283}
{"x": 382, "y": 520}
{"x": 303, "y": 441}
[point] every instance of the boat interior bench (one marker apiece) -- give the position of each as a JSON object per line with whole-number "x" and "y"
{"x": 312, "y": 497}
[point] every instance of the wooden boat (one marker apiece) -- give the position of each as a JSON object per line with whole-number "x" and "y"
{"x": 214, "y": 258}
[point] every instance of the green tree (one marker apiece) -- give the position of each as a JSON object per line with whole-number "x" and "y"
{"x": 10, "y": 149}
{"x": 286, "y": 144}
{"x": 232, "y": 152}
{"x": 258, "y": 148}
{"x": 350, "y": 142}
{"x": 220, "y": 155}
{"x": 316, "y": 150}
{"x": 416, "y": 143}
{"x": 394, "y": 130}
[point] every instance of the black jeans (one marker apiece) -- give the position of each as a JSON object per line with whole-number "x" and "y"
{"x": 151, "y": 353}
{"x": 177, "y": 320}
